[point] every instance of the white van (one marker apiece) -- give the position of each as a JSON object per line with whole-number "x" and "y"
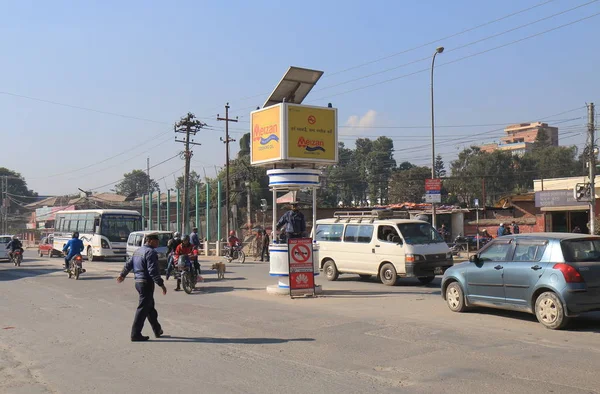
{"x": 138, "y": 238}
{"x": 382, "y": 243}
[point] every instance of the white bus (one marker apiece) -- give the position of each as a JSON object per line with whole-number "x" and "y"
{"x": 104, "y": 232}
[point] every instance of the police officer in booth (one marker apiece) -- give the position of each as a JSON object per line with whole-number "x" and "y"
{"x": 144, "y": 264}
{"x": 294, "y": 222}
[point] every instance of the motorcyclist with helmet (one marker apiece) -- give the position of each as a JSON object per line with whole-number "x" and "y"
{"x": 14, "y": 245}
{"x": 233, "y": 243}
{"x": 184, "y": 249}
{"x": 171, "y": 247}
{"x": 74, "y": 247}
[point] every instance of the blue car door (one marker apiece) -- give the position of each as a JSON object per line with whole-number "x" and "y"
{"x": 524, "y": 270}
{"x": 485, "y": 282}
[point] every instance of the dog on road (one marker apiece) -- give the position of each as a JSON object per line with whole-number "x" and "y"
{"x": 220, "y": 268}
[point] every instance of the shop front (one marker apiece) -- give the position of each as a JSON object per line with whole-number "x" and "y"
{"x": 562, "y": 212}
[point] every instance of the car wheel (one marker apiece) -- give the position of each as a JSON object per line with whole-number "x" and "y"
{"x": 330, "y": 270}
{"x": 365, "y": 276}
{"x": 425, "y": 280}
{"x": 388, "y": 274}
{"x": 455, "y": 298}
{"x": 550, "y": 311}
{"x": 90, "y": 254}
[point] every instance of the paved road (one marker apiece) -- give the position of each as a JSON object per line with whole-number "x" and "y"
{"x": 66, "y": 336}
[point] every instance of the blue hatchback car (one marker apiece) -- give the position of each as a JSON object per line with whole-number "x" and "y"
{"x": 556, "y": 276}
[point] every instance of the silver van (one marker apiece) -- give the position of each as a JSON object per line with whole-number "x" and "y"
{"x": 383, "y": 243}
{"x": 138, "y": 238}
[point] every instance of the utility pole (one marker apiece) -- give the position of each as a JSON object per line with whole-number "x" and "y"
{"x": 227, "y": 140}
{"x": 188, "y": 125}
{"x": 148, "y": 173}
{"x": 592, "y": 167}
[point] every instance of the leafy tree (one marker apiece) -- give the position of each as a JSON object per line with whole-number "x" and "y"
{"x": 136, "y": 183}
{"x": 405, "y": 165}
{"x": 244, "y": 146}
{"x": 541, "y": 140}
{"x": 440, "y": 170}
{"x": 16, "y": 184}
{"x": 195, "y": 179}
{"x": 409, "y": 185}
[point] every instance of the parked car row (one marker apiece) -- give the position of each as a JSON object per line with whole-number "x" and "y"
{"x": 555, "y": 276}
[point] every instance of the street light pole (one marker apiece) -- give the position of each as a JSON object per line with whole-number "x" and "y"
{"x": 433, "y": 174}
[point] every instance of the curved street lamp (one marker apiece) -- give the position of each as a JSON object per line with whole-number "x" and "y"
{"x": 433, "y": 174}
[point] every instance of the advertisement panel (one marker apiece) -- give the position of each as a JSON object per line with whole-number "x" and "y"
{"x": 265, "y": 144}
{"x": 302, "y": 276}
{"x": 312, "y": 134}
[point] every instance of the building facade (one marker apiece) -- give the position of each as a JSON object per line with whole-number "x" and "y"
{"x": 520, "y": 137}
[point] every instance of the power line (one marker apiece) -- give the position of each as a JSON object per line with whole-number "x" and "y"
{"x": 329, "y": 75}
{"x": 428, "y": 58}
{"x": 152, "y": 138}
{"x": 459, "y": 59}
{"x": 117, "y": 181}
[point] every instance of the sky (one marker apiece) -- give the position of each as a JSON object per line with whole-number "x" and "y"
{"x": 90, "y": 89}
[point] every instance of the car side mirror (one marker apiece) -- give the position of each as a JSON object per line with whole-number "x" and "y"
{"x": 396, "y": 239}
{"x": 475, "y": 259}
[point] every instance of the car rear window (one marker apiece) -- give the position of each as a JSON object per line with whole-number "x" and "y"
{"x": 579, "y": 250}
{"x": 4, "y": 240}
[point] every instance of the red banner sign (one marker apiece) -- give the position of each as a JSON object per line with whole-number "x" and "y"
{"x": 301, "y": 267}
{"x": 433, "y": 184}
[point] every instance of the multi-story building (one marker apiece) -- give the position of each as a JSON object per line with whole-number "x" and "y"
{"x": 520, "y": 137}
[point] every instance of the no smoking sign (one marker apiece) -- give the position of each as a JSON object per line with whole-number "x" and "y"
{"x": 301, "y": 267}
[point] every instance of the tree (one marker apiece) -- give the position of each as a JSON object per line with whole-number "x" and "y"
{"x": 16, "y": 184}
{"x": 409, "y": 185}
{"x": 194, "y": 179}
{"x": 541, "y": 140}
{"x": 136, "y": 183}
{"x": 244, "y": 146}
{"x": 440, "y": 170}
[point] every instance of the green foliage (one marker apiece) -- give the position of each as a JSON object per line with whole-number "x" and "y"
{"x": 409, "y": 185}
{"x": 137, "y": 183}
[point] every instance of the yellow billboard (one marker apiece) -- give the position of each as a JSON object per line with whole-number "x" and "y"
{"x": 311, "y": 134}
{"x": 266, "y": 135}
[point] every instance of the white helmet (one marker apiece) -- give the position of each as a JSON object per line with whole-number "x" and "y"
{"x": 176, "y": 235}
{"x": 501, "y": 224}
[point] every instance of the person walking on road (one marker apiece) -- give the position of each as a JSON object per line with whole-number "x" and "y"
{"x": 194, "y": 238}
{"x": 265, "y": 246}
{"x": 144, "y": 264}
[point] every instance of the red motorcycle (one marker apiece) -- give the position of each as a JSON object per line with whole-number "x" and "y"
{"x": 17, "y": 258}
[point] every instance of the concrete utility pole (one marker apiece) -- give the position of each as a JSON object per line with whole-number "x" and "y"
{"x": 188, "y": 125}
{"x": 433, "y": 173}
{"x": 227, "y": 140}
{"x": 592, "y": 166}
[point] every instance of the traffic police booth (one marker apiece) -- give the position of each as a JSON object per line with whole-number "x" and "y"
{"x": 294, "y": 142}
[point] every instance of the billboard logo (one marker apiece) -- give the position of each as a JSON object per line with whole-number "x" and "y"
{"x": 311, "y": 145}
{"x": 270, "y": 131}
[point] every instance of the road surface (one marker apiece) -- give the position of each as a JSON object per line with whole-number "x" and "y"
{"x": 230, "y": 336}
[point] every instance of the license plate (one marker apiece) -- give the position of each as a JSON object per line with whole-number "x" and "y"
{"x": 438, "y": 271}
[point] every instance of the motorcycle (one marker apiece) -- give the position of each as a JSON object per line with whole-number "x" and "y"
{"x": 236, "y": 254}
{"x": 17, "y": 258}
{"x": 185, "y": 271}
{"x": 75, "y": 267}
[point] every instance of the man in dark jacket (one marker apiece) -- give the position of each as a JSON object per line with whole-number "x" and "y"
{"x": 264, "y": 246}
{"x": 144, "y": 264}
{"x": 294, "y": 222}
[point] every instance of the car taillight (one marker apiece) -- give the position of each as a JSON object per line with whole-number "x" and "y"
{"x": 410, "y": 258}
{"x": 104, "y": 244}
{"x": 569, "y": 272}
